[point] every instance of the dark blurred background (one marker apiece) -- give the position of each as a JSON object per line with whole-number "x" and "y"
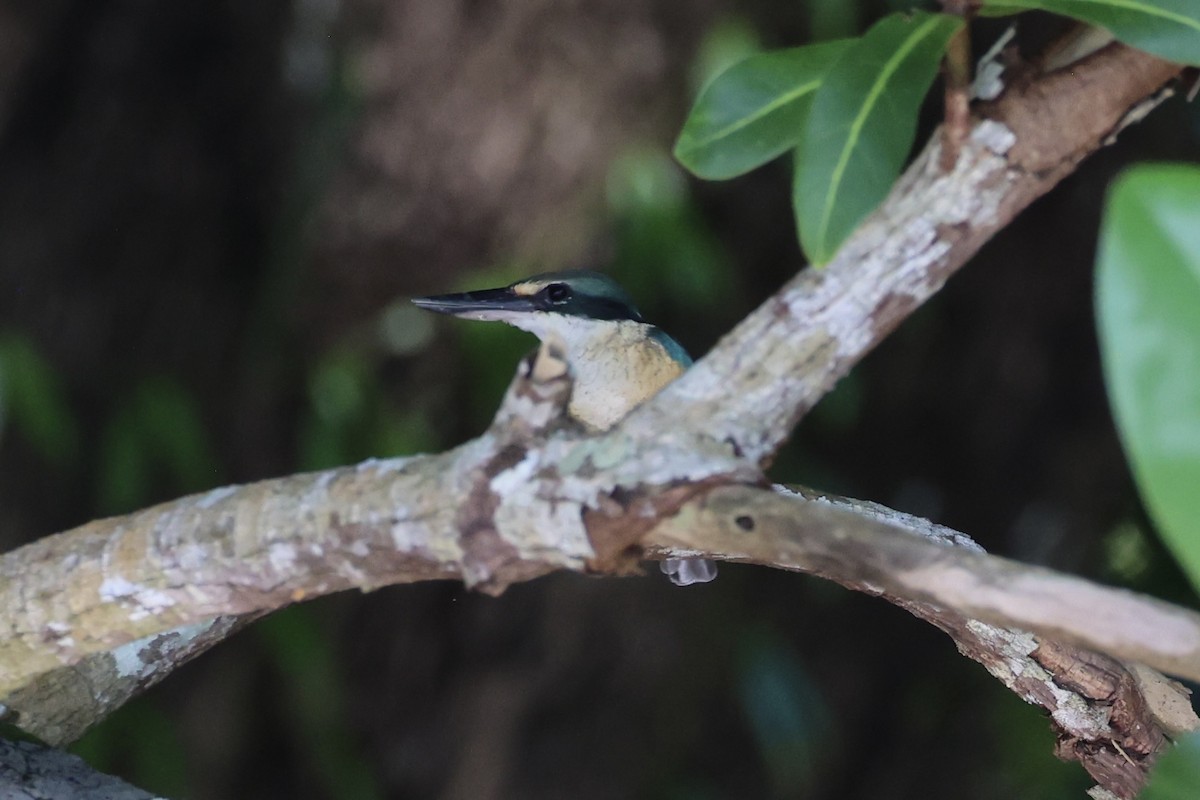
{"x": 211, "y": 216}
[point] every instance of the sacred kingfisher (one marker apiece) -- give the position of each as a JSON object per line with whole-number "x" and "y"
{"x": 617, "y": 359}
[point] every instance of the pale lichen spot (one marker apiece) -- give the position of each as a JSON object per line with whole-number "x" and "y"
{"x": 215, "y": 496}
{"x": 384, "y": 466}
{"x": 153, "y": 601}
{"x": 127, "y": 658}
{"x": 117, "y": 588}
{"x": 419, "y": 538}
{"x": 610, "y": 452}
{"x": 281, "y": 556}
{"x": 58, "y": 629}
{"x": 518, "y": 475}
{"x": 995, "y": 136}
{"x": 191, "y": 556}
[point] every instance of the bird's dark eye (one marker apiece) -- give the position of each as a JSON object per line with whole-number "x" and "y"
{"x": 558, "y": 293}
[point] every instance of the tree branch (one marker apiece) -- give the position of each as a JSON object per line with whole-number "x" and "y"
{"x": 1112, "y": 719}
{"x": 859, "y": 546}
{"x": 956, "y": 77}
{"x": 765, "y": 375}
{"x": 534, "y": 494}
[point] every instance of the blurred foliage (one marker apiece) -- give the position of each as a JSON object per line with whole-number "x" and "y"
{"x": 490, "y": 351}
{"x": 1147, "y": 300}
{"x": 662, "y": 247}
{"x": 350, "y": 416}
{"x": 833, "y": 417}
{"x": 154, "y": 444}
{"x": 1127, "y": 552}
{"x": 313, "y": 684}
{"x": 1176, "y": 776}
{"x": 725, "y": 44}
{"x": 787, "y": 716}
{"x": 1024, "y": 744}
{"x": 140, "y": 743}
{"x": 839, "y": 410}
{"x": 835, "y": 19}
{"x": 33, "y": 402}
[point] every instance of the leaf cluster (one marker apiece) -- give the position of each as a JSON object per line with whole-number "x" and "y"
{"x": 847, "y": 109}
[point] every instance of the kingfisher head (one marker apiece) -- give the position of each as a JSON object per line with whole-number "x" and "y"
{"x": 586, "y": 313}
{"x": 565, "y": 304}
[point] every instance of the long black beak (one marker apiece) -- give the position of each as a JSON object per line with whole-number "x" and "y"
{"x": 476, "y": 305}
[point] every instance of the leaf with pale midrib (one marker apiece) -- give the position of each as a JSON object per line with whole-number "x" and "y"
{"x": 861, "y": 126}
{"x": 754, "y": 111}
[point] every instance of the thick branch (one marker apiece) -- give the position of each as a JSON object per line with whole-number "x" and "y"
{"x": 506, "y": 507}
{"x": 1112, "y": 718}
{"x": 777, "y": 363}
{"x": 868, "y": 550}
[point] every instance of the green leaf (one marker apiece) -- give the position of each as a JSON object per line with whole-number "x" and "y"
{"x": 753, "y": 111}
{"x": 862, "y": 124}
{"x": 1169, "y": 29}
{"x": 1148, "y": 313}
{"x": 1176, "y": 776}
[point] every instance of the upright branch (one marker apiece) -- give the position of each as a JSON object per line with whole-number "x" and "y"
{"x": 957, "y": 77}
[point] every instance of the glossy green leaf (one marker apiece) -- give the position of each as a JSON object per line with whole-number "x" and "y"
{"x": 1169, "y": 29}
{"x": 861, "y": 126}
{"x": 1176, "y": 776}
{"x": 1148, "y": 312}
{"x": 754, "y": 111}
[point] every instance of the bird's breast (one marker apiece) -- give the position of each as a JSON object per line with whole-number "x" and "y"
{"x": 613, "y": 378}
